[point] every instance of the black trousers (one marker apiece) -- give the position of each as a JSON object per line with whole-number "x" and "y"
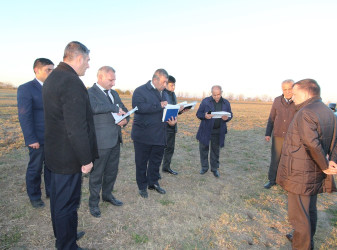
{"x": 214, "y": 148}
{"x": 169, "y": 150}
{"x": 33, "y": 175}
{"x": 302, "y": 213}
{"x": 104, "y": 174}
{"x": 65, "y": 199}
{"x": 148, "y": 159}
{"x": 276, "y": 148}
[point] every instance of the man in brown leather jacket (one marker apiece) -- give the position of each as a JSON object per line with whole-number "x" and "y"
{"x": 281, "y": 114}
{"x": 304, "y": 169}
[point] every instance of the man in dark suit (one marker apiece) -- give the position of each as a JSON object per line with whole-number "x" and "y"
{"x": 211, "y": 133}
{"x": 149, "y": 132}
{"x": 105, "y": 101}
{"x": 304, "y": 169}
{"x": 70, "y": 141}
{"x": 31, "y": 117}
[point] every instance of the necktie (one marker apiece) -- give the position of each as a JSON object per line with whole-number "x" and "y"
{"x": 107, "y": 94}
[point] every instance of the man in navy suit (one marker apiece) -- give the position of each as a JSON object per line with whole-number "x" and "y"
{"x": 149, "y": 132}
{"x": 31, "y": 117}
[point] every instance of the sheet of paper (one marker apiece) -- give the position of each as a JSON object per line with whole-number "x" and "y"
{"x": 118, "y": 118}
{"x": 219, "y": 114}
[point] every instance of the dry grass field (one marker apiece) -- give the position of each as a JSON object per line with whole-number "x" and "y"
{"x": 198, "y": 211}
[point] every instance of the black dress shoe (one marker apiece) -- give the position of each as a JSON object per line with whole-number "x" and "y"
{"x": 114, "y": 201}
{"x": 290, "y": 237}
{"x": 143, "y": 193}
{"x": 157, "y": 188}
{"x": 170, "y": 171}
{"x": 80, "y": 235}
{"x": 202, "y": 171}
{"x": 216, "y": 173}
{"x": 94, "y": 211}
{"x": 268, "y": 185}
{"x": 37, "y": 203}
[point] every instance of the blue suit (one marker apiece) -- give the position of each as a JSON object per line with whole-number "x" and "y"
{"x": 31, "y": 117}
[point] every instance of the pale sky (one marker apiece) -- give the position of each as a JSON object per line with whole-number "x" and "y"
{"x": 247, "y": 47}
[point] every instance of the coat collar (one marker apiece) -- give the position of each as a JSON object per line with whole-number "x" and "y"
{"x": 307, "y": 102}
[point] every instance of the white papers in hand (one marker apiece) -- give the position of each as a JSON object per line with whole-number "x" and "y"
{"x": 118, "y": 118}
{"x": 219, "y": 114}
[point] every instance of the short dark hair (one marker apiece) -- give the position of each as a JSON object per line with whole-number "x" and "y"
{"x": 40, "y": 62}
{"x": 160, "y": 72}
{"x": 171, "y": 79}
{"x": 309, "y": 85}
{"x": 73, "y": 49}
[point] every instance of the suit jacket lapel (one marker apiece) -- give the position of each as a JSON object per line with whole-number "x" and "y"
{"x": 101, "y": 94}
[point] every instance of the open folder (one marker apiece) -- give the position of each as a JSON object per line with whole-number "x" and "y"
{"x": 118, "y": 118}
{"x": 170, "y": 111}
{"x": 186, "y": 105}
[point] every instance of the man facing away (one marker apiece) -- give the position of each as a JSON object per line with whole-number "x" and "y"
{"x": 105, "y": 101}
{"x": 149, "y": 132}
{"x": 211, "y": 133}
{"x": 70, "y": 141}
{"x": 304, "y": 169}
{"x": 31, "y": 117}
{"x": 281, "y": 114}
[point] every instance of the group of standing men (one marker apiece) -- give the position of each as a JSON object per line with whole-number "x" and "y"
{"x": 71, "y": 130}
{"x": 303, "y": 154}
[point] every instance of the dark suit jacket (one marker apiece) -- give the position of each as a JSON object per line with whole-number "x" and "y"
{"x": 148, "y": 127}
{"x": 30, "y": 110}
{"x": 70, "y": 140}
{"x": 206, "y": 126}
{"x": 108, "y": 133}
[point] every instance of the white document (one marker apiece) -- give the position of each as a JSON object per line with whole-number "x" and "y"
{"x": 118, "y": 118}
{"x": 219, "y": 114}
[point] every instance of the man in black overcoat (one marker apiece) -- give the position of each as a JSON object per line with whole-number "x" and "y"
{"x": 70, "y": 141}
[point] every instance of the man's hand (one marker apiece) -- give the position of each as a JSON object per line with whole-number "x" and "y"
{"x": 121, "y": 112}
{"x": 163, "y": 104}
{"x": 34, "y": 145}
{"x": 332, "y": 169}
{"x": 208, "y": 116}
{"x": 267, "y": 138}
{"x": 122, "y": 123}
{"x": 87, "y": 168}
{"x": 224, "y": 117}
{"x": 172, "y": 121}
{"x": 181, "y": 108}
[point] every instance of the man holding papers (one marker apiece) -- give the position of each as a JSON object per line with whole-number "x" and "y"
{"x": 105, "y": 104}
{"x": 212, "y": 129}
{"x": 149, "y": 132}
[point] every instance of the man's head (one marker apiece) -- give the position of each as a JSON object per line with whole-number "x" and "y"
{"x": 216, "y": 93}
{"x": 304, "y": 90}
{"x": 287, "y": 88}
{"x": 160, "y": 79}
{"x": 42, "y": 68}
{"x": 106, "y": 77}
{"x": 171, "y": 85}
{"x": 76, "y": 55}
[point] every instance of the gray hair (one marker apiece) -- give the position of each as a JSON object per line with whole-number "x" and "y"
{"x": 105, "y": 69}
{"x": 216, "y": 87}
{"x": 160, "y": 72}
{"x": 288, "y": 81}
{"x": 73, "y": 49}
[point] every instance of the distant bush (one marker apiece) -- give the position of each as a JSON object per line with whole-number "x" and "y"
{"x": 121, "y": 92}
{"x": 4, "y": 85}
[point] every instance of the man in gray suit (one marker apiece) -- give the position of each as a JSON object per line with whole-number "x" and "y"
{"x": 105, "y": 101}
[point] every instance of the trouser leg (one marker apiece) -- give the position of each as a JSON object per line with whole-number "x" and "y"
{"x": 214, "y": 152}
{"x": 155, "y": 159}
{"x": 33, "y": 174}
{"x": 110, "y": 172}
{"x": 302, "y": 213}
{"x": 203, "y": 149}
{"x": 169, "y": 150}
{"x": 142, "y": 155}
{"x": 96, "y": 175}
{"x": 64, "y": 203}
{"x": 276, "y": 148}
